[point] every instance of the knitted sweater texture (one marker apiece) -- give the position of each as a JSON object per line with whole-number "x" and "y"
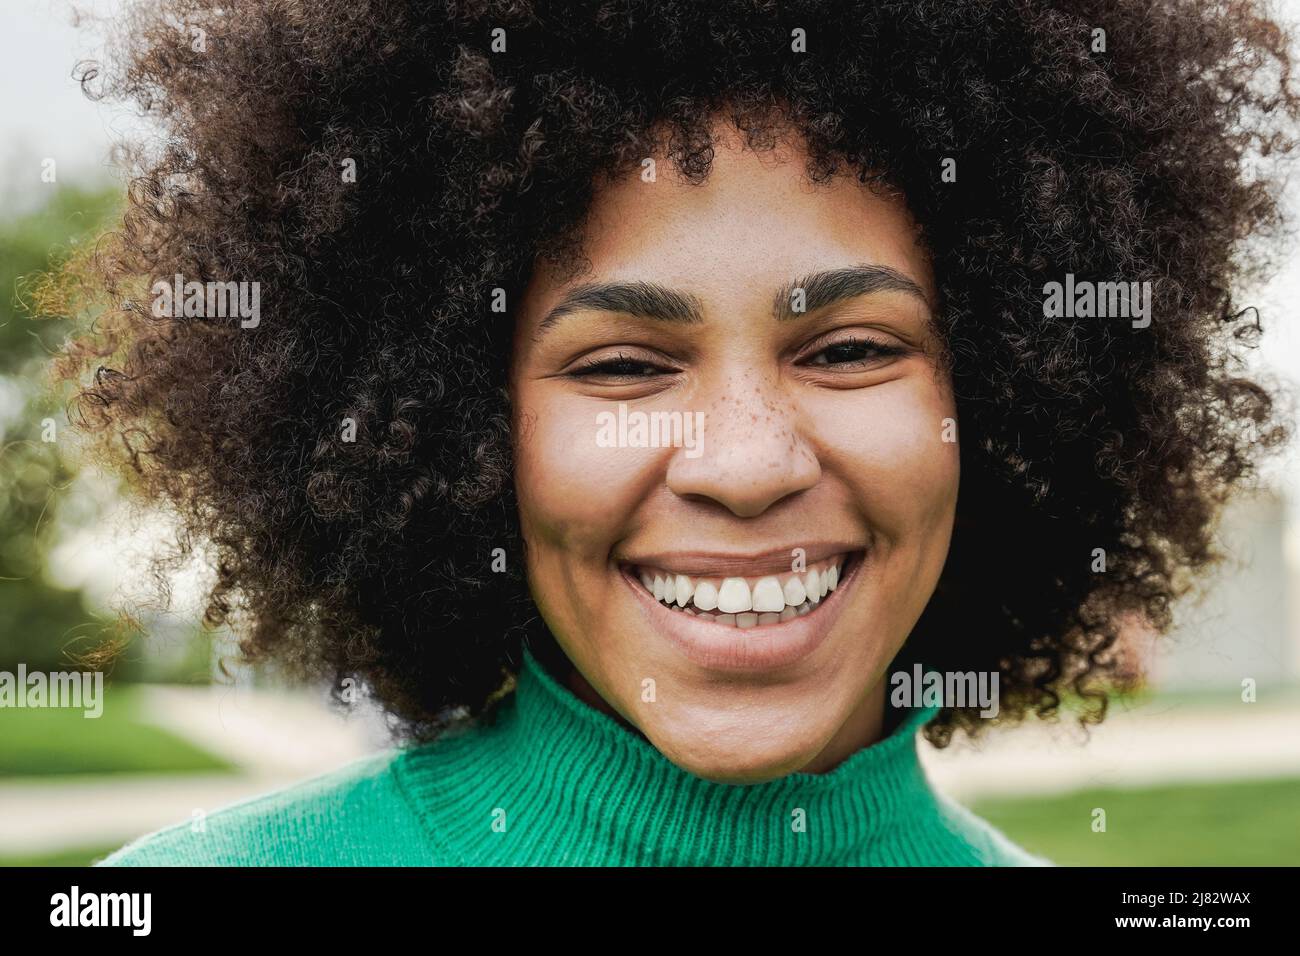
{"x": 551, "y": 781}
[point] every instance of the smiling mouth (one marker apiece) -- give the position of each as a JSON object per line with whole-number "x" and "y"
{"x": 746, "y": 602}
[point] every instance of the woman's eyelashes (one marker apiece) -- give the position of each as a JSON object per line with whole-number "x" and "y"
{"x": 621, "y": 367}
{"x": 850, "y": 354}
{"x": 853, "y": 353}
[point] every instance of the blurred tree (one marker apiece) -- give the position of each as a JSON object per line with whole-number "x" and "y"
{"x": 34, "y": 243}
{"x": 39, "y": 621}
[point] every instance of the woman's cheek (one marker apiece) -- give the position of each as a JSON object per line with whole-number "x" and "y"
{"x": 573, "y": 493}
{"x": 895, "y": 445}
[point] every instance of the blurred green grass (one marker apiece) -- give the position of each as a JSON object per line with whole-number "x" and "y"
{"x": 1148, "y": 700}
{"x": 1238, "y": 823}
{"x": 64, "y": 858}
{"x": 50, "y": 740}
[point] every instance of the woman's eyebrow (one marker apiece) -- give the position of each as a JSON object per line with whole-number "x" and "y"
{"x": 821, "y": 289}
{"x": 645, "y": 300}
{"x": 648, "y": 300}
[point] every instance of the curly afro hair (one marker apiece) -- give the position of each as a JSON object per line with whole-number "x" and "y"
{"x": 476, "y": 131}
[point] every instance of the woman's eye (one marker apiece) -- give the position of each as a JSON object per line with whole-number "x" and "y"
{"x": 622, "y": 366}
{"x": 854, "y": 352}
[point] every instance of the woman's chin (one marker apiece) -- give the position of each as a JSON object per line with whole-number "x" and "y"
{"x": 749, "y": 757}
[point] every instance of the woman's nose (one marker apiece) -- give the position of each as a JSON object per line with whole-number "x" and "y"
{"x": 753, "y": 453}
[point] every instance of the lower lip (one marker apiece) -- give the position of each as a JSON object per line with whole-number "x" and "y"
{"x": 724, "y": 647}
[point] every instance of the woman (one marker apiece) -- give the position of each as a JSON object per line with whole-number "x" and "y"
{"x": 640, "y": 400}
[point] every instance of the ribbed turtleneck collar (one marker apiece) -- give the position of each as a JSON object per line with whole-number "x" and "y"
{"x": 553, "y": 781}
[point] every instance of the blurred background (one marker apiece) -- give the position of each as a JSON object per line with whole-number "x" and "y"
{"x": 1188, "y": 772}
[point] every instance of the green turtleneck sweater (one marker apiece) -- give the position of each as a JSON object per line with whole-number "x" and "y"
{"x": 553, "y": 781}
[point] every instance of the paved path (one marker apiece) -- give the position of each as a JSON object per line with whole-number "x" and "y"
{"x": 40, "y": 816}
{"x": 1152, "y": 745}
{"x": 276, "y": 737}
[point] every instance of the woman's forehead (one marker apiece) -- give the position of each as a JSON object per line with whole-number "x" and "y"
{"x": 755, "y": 222}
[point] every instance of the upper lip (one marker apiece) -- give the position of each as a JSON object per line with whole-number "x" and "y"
{"x": 707, "y": 564}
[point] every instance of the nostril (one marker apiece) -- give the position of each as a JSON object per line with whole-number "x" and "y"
{"x": 744, "y": 480}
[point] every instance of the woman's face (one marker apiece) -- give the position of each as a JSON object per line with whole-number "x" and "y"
{"x": 742, "y": 397}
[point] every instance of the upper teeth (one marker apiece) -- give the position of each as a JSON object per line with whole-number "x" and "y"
{"x": 771, "y": 594}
